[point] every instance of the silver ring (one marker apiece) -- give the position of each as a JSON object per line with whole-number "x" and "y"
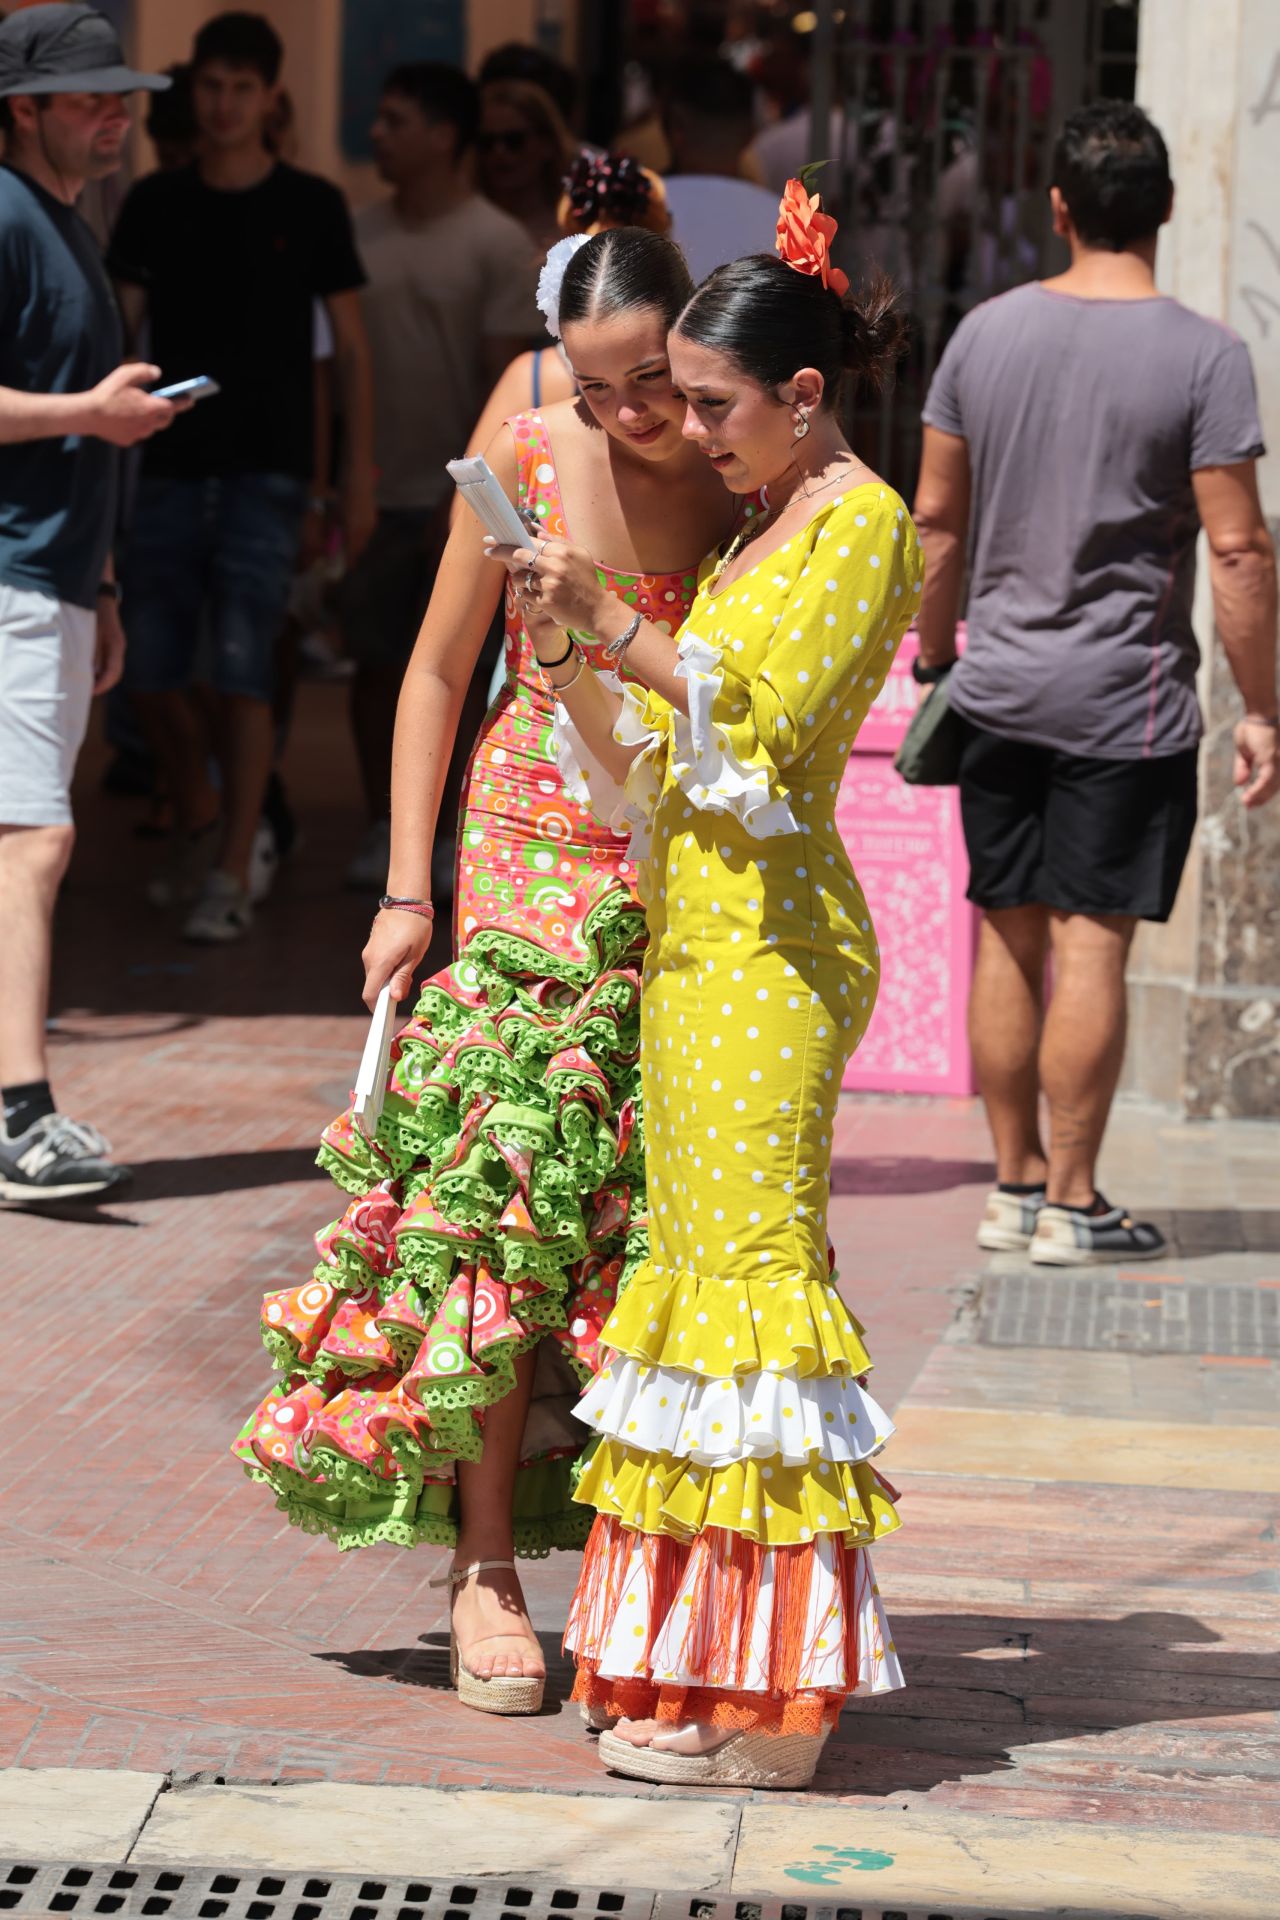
{"x": 530, "y": 582}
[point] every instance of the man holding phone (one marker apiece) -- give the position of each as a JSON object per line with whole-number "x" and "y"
{"x": 66, "y": 406}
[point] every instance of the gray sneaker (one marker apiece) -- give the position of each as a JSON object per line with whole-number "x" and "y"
{"x": 57, "y": 1158}
{"x": 1071, "y": 1237}
{"x": 223, "y": 912}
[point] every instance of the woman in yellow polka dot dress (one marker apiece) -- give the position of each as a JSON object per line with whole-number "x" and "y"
{"x": 726, "y": 1606}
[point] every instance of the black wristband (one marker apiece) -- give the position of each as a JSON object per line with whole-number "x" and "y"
{"x": 929, "y": 676}
{"x": 559, "y": 661}
{"x": 108, "y": 590}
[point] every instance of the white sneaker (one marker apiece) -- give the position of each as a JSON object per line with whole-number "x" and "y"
{"x": 264, "y": 863}
{"x": 1009, "y": 1220}
{"x": 223, "y": 912}
{"x": 367, "y": 873}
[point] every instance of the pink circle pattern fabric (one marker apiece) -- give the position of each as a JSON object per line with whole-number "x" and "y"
{"x": 502, "y": 1205}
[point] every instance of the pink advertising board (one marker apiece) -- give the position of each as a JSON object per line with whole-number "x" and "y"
{"x": 907, "y": 849}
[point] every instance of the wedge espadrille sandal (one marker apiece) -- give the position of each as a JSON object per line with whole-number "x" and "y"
{"x": 502, "y": 1692}
{"x": 744, "y": 1760}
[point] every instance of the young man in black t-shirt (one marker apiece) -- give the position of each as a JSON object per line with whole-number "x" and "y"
{"x": 225, "y": 260}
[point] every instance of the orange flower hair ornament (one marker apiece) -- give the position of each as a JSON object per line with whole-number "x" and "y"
{"x": 805, "y": 234}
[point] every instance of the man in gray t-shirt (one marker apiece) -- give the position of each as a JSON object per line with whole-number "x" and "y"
{"x": 1078, "y": 434}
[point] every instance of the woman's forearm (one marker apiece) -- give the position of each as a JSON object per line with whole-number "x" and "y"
{"x": 651, "y": 656}
{"x": 427, "y": 717}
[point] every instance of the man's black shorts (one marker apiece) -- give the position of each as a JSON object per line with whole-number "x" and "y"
{"x": 1068, "y": 831}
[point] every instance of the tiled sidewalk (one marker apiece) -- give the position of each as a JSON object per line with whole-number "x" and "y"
{"x": 1085, "y": 1589}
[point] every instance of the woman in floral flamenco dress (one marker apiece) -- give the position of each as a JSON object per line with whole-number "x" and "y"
{"x": 427, "y": 1371}
{"x": 726, "y": 1606}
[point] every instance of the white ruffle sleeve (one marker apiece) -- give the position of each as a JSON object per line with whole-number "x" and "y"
{"x": 704, "y": 763}
{"x": 627, "y": 806}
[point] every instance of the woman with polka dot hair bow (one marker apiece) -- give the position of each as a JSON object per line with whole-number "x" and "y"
{"x": 501, "y": 1205}
{"x": 726, "y": 1606}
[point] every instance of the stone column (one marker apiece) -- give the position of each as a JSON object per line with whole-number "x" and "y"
{"x": 1206, "y": 989}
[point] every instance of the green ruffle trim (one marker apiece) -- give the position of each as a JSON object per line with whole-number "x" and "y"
{"x": 354, "y": 1514}
{"x": 537, "y": 1004}
{"x": 506, "y": 1116}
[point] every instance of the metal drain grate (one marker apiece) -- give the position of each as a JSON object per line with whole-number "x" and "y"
{"x": 1101, "y": 1313}
{"x": 210, "y": 1893}
{"x": 222, "y": 1893}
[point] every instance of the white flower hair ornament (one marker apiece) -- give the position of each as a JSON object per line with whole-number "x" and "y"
{"x": 551, "y": 279}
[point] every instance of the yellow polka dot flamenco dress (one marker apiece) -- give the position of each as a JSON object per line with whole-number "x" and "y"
{"x": 727, "y": 1578}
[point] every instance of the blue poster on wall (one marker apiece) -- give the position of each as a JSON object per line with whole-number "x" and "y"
{"x": 380, "y": 34}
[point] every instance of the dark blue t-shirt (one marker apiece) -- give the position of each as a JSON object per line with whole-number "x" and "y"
{"x": 59, "y": 333}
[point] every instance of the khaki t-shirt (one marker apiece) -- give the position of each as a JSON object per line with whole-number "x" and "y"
{"x": 436, "y": 293}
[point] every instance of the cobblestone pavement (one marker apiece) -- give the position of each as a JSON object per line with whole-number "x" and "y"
{"x": 1085, "y": 1589}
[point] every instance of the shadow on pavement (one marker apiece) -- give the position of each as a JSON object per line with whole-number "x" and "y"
{"x": 223, "y": 1173}
{"x": 977, "y": 1687}
{"x": 890, "y": 1173}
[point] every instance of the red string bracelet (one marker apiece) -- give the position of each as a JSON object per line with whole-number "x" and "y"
{"x": 423, "y": 908}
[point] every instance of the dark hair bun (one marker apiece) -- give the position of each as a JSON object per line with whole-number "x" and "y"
{"x": 873, "y": 330}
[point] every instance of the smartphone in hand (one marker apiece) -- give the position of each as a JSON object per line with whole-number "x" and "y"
{"x": 199, "y": 388}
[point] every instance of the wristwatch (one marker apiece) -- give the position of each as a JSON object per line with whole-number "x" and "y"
{"x": 108, "y": 590}
{"x": 929, "y": 676}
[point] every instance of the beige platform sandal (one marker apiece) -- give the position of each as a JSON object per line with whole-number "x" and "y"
{"x": 743, "y": 1760}
{"x": 503, "y": 1692}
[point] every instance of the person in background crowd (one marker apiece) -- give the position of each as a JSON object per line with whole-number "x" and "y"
{"x": 66, "y": 406}
{"x": 522, "y": 151}
{"x": 516, "y": 61}
{"x": 1077, "y": 687}
{"x": 717, "y": 216}
{"x": 782, "y": 148}
{"x": 224, "y": 259}
{"x": 449, "y": 302}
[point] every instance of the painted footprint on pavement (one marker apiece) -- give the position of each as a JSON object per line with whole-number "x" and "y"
{"x": 826, "y": 1873}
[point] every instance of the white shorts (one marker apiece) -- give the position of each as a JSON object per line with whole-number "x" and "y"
{"x": 46, "y": 685}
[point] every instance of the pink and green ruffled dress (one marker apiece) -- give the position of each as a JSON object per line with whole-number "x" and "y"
{"x": 502, "y": 1206}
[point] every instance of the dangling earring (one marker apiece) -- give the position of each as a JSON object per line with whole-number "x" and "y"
{"x": 802, "y": 423}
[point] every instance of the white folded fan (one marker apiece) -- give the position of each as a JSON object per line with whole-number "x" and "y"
{"x": 371, "y": 1078}
{"x": 482, "y": 490}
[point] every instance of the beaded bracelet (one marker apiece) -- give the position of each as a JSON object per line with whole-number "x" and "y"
{"x": 406, "y": 904}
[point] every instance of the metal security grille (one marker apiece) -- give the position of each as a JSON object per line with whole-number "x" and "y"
{"x": 213, "y": 1893}
{"x": 1103, "y": 1314}
{"x": 943, "y": 116}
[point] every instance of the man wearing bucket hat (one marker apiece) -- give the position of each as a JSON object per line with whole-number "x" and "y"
{"x": 66, "y": 406}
